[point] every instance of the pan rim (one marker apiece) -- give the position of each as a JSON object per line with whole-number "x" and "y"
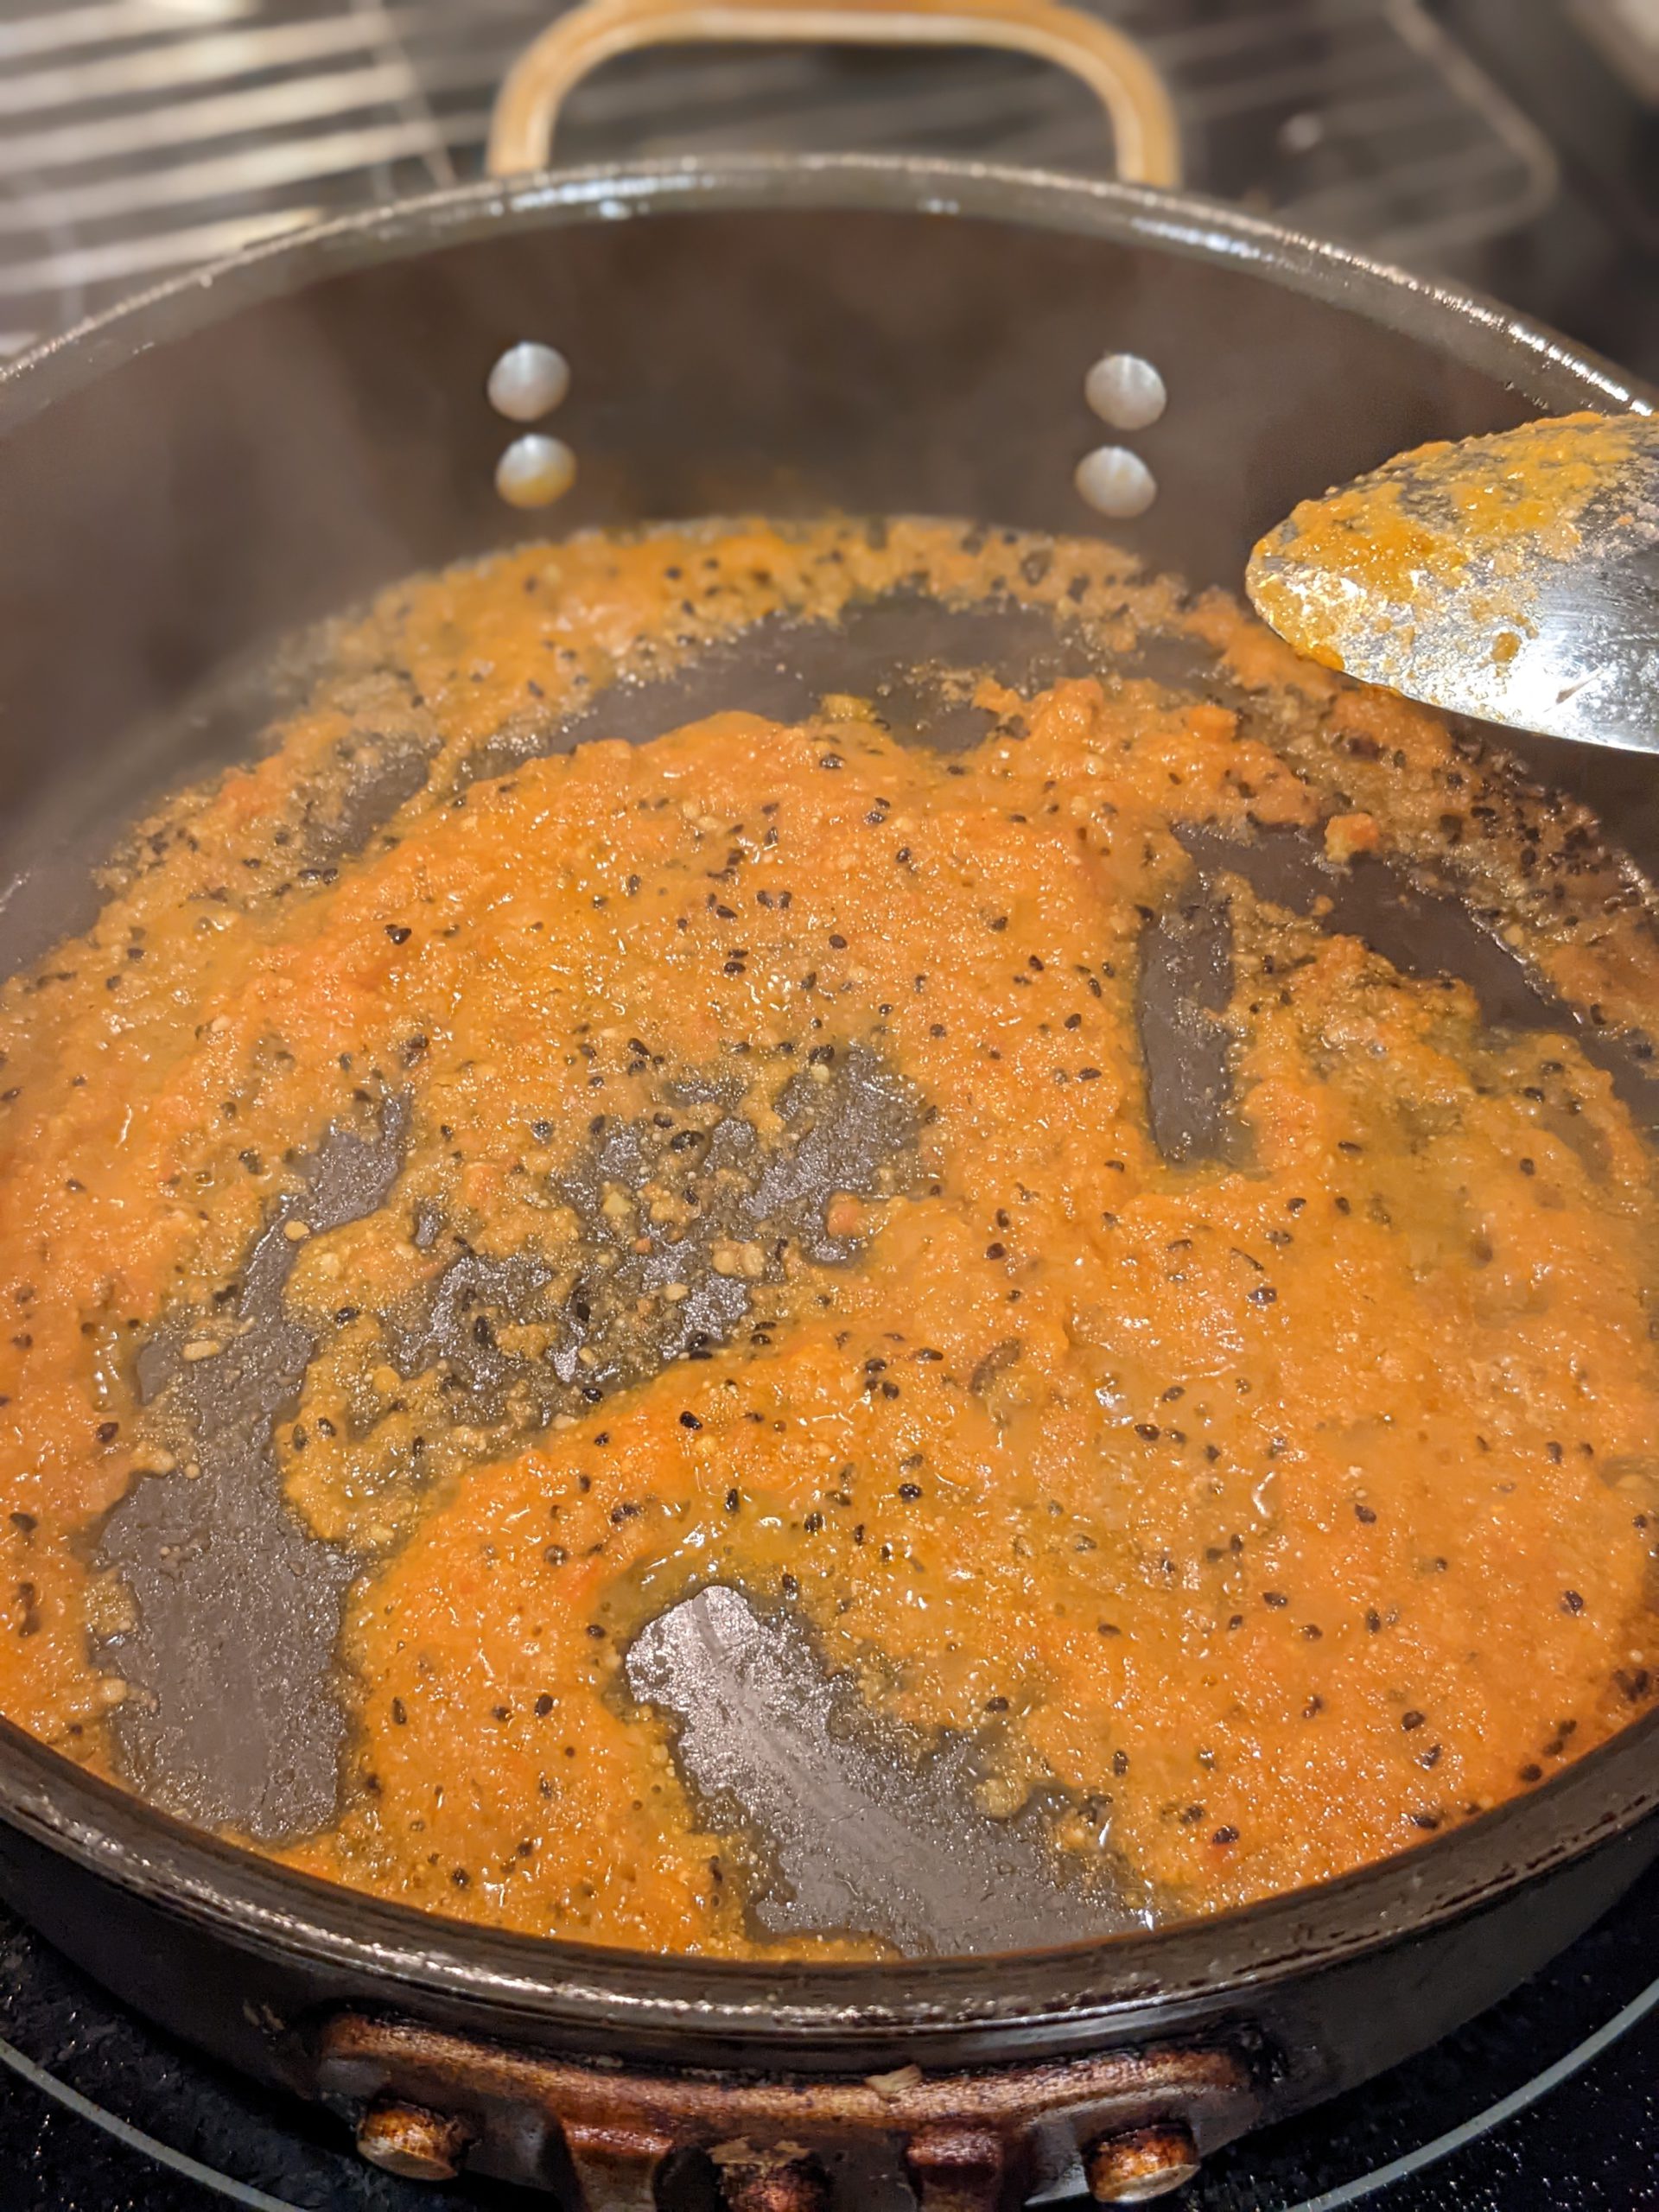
{"x": 1084, "y": 1991}
{"x": 1073, "y": 1997}
{"x": 1186, "y": 223}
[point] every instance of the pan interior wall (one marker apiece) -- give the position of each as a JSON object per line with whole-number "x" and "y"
{"x": 185, "y": 510}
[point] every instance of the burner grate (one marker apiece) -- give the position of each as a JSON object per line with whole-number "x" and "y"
{"x": 138, "y": 136}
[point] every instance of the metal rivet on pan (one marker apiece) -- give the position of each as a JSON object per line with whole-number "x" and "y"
{"x": 1115, "y": 482}
{"x": 1126, "y": 391}
{"x": 528, "y": 382}
{"x": 534, "y": 471}
{"x": 1141, "y": 2163}
{"x": 408, "y": 2139}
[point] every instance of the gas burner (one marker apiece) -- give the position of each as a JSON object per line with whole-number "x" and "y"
{"x": 1541, "y": 2102}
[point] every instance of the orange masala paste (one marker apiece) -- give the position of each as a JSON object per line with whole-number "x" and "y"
{"x": 1270, "y": 1510}
{"x": 1367, "y": 557}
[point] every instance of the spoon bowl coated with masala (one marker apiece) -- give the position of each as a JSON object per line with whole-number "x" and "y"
{"x": 1514, "y": 577}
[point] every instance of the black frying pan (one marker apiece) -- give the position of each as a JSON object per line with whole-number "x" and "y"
{"x": 236, "y": 457}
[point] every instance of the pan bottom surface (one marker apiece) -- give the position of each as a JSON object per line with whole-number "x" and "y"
{"x": 1253, "y": 931}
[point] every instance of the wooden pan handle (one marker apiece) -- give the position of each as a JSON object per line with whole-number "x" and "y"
{"x": 1144, "y": 130}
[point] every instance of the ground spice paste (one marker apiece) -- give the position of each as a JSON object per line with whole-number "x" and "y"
{"x": 1265, "y": 1512}
{"x": 1366, "y": 555}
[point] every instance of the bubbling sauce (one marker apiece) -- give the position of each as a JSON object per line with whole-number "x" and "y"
{"x": 774, "y": 1201}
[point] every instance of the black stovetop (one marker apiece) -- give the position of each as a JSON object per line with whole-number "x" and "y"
{"x": 1548, "y": 2103}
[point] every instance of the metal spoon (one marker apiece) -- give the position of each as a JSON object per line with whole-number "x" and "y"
{"x": 1515, "y": 577}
